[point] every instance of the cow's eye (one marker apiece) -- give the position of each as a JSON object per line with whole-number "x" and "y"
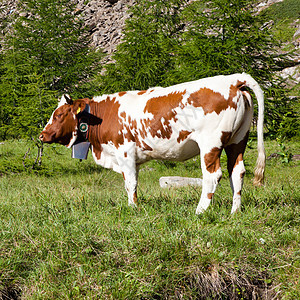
{"x": 58, "y": 116}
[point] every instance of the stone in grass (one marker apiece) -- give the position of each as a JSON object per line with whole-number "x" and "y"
{"x": 177, "y": 181}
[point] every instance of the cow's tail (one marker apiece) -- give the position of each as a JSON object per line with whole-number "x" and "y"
{"x": 261, "y": 159}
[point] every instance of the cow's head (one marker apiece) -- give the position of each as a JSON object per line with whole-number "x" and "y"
{"x": 63, "y": 124}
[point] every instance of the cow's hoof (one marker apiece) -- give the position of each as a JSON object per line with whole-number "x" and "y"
{"x": 234, "y": 211}
{"x": 200, "y": 210}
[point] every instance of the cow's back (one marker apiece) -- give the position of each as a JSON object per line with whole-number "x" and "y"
{"x": 167, "y": 123}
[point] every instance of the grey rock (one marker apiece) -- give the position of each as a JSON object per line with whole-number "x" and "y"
{"x": 177, "y": 181}
{"x": 297, "y": 33}
{"x": 23, "y": 14}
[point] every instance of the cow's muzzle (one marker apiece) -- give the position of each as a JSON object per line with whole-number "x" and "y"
{"x": 47, "y": 138}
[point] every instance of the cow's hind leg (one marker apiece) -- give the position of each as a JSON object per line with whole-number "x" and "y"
{"x": 211, "y": 171}
{"x": 236, "y": 170}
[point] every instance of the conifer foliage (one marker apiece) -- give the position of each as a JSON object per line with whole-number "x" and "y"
{"x": 168, "y": 42}
{"x": 46, "y": 53}
{"x": 25, "y": 101}
{"x": 57, "y": 42}
{"x": 146, "y": 55}
{"x": 224, "y": 37}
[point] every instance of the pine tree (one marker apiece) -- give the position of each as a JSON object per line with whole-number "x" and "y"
{"x": 146, "y": 53}
{"x": 226, "y": 37}
{"x": 168, "y": 42}
{"x": 57, "y": 43}
{"x": 46, "y": 53}
{"x": 24, "y": 100}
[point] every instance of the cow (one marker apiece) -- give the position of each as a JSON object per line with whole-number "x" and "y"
{"x": 176, "y": 123}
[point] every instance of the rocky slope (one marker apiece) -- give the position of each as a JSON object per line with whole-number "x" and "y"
{"x": 106, "y": 19}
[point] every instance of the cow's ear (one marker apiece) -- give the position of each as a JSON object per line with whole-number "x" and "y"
{"x": 65, "y": 99}
{"x": 68, "y": 99}
{"x": 79, "y": 106}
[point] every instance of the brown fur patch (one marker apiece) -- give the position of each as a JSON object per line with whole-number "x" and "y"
{"x": 131, "y": 133}
{"x": 146, "y": 146}
{"x": 210, "y": 195}
{"x": 212, "y": 160}
{"x": 183, "y": 134}
{"x": 235, "y": 153}
{"x": 141, "y": 92}
{"x": 108, "y": 110}
{"x": 240, "y": 84}
{"x": 110, "y": 127}
{"x": 135, "y": 197}
{"x": 211, "y": 101}
{"x": 226, "y": 135}
{"x": 162, "y": 107}
{"x": 121, "y": 93}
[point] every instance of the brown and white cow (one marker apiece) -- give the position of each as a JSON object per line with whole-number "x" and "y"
{"x": 175, "y": 123}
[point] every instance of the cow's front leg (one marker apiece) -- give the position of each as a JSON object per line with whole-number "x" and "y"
{"x": 131, "y": 179}
{"x": 211, "y": 170}
{"x": 129, "y": 170}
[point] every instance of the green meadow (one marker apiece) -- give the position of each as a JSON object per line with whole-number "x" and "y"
{"x": 66, "y": 231}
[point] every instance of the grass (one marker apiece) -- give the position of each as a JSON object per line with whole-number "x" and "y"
{"x": 66, "y": 232}
{"x": 287, "y": 9}
{"x": 285, "y": 15}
